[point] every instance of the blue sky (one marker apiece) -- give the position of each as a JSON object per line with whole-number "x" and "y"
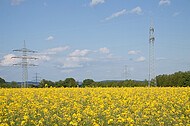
{"x": 94, "y": 38}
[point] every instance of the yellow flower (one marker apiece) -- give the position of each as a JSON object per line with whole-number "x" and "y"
{"x": 12, "y": 123}
{"x": 95, "y": 124}
{"x": 79, "y": 119}
{"x": 130, "y": 120}
{"x": 32, "y": 121}
{"x": 73, "y": 123}
{"x": 23, "y": 123}
{"x": 110, "y": 121}
{"x": 26, "y": 117}
{"x": 40, "y": 122}
{"x": 4, "y": 124}
{"x": 95, "y": 106}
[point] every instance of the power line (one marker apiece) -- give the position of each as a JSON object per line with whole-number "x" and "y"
{"x": 25, "y": 63}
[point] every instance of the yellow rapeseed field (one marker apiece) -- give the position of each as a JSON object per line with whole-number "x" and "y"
{"x": 95, "y": 106}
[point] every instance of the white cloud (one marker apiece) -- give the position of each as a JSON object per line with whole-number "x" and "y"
{"x": 77, "y": 58}
{"x": 116, "y": 14}
{"x": 43, "y": 57}
{"x": 137, "y": 10}
{"x": 79, "y": 52}
{"x": 162, "y": 2}
{"x": 16, "y": 2}
{"x": 140, "y": 59}
{"x": 71, "y": 62}
{"x": 47, "y": 53}
{"x": 59, "y": 49}
{"x": 161, "y": 58}
{"x": 49, "y": 38}
{"x": 133, "y": 52}
{"x": 67, "y": 70}
{"x": 103, "y": 50}
{"x": 72, "y": 65}
{"x": 9, "y": 61}
{"x": 40, "y": 58}
{"x": 176, "y": 14}
{"x": 55, "y": 50}
{"x": 95, "y": 2}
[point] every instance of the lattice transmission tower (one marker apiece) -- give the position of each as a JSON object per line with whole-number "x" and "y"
{"x": 25, "y": 63}
{"x": 37, "y": 79}
{"x": 126, "y": 72}
{"x": 152, "y": 77}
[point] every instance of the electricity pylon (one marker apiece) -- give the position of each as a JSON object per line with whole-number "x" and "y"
{"x": 37, "y": 78}
{"x": 126, "y": 72}
{"x": 152, "y": 76}
{"x": 25, "y": 63}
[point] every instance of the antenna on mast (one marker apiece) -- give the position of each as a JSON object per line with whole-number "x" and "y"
{"x": 151, "y": 56}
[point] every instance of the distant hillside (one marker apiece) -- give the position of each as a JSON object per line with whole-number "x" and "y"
{"x": 29, "y": 82}
{"x": 117, "y": 80}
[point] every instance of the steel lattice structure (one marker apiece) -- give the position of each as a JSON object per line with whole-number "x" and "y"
{"x": 36, "y": 78}
{"x": 152, "y": 77}
{"x": 25, "y": 63}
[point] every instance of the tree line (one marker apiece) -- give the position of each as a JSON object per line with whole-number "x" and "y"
{"x": 3, "y": 84}
{"x": 178, "y": 79}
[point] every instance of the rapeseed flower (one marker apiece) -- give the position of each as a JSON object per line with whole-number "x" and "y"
{"x": 95, "y": 106}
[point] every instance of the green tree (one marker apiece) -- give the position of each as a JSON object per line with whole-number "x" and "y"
{"x": 181, "y": 79}
{"x": 44, "y": 82}
{"x": 2, "y": 80}
{"x": 120, "y": 84}
{"x": 87, "y": 82}
{"x": 60, "y": 83}
{"x": 14, "y": 84}
{"x": 70, "y": 82}
{"x": 5, "y": 85}
{"x": 145, "y": 83}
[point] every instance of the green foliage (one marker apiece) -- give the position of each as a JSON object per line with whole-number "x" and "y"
{"x": 127, "y": 83}
{"x": 2, "y": 80}
{"x": 44, "y": 82}
{"x": 87, "y": 82}
{"x": 60, "y": 83}
{"x": 14, "y": 84}
{"x": 70, "y": 82}
{"x": 4, "y": 85}
{"x": 178, "y": 79}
